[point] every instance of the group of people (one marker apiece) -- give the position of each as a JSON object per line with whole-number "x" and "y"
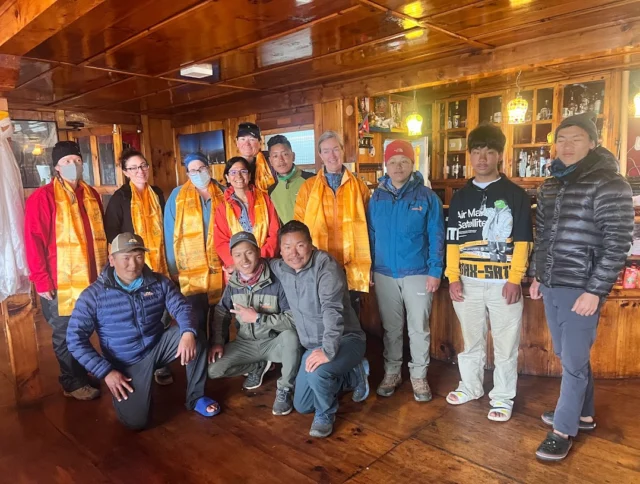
{"x": 284, "y": 255}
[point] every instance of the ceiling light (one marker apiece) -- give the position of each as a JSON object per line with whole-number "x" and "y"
{"x": 197, "y": 71}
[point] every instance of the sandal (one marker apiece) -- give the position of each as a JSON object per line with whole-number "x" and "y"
{"x": 504, "y": 410}
{"x": 462, "y": 398}
{"x": 203, "y": 403}
{"x": 547, "y": 417}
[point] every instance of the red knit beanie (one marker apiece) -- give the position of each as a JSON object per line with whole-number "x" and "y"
{"x": 399, "y": 147}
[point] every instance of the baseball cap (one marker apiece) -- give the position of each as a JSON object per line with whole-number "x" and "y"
{"x": 248, "y": 129}
{"x": 127, "y": 242}
{"x": 243, "y": 237}
{"x": 399, "y": 147}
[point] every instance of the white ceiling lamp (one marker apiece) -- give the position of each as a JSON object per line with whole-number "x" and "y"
{"x": 197, "y": 71}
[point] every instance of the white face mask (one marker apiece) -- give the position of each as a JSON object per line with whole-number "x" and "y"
{"x": 201, "y": 180}
{"x": 71, "y": 172}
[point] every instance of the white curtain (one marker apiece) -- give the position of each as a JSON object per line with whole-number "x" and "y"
{"x": 14, "y": 273}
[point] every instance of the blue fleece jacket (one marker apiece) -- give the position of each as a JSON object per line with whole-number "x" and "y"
{"x": 129, "y": 325}
{"x": 406, "y": 231}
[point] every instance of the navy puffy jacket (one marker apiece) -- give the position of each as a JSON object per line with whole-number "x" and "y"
{"x": 129, "y": 325}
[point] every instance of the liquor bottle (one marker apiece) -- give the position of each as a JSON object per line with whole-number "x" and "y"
{"x": 456, "y": 167}
{"x": 597, "y": 104}
{"x": 464, "y": 171}
{"x": 584, "y": 101}
{"x": 456, "y": 116}
{"x": 529, "y": 164}
{"x": 545, "y": 112}
{"x": 573, "y": 107}
{"x": 449, "y": 122}
{"x": 543, "y": 161}
{"x": 522, "y": 165}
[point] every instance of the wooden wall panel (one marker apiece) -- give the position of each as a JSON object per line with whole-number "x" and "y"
{"x": 328, "y": 116}
{"x": 162, "y": 156}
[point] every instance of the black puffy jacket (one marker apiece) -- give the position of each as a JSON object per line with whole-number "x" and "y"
{"x": 584, "y": 226}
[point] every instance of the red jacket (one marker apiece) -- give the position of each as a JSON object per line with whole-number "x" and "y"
{"x": 40, "y": 236}
{"x": 222, "y": 233}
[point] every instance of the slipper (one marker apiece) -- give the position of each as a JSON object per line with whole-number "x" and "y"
{"x": 547, "y": 417}
{"x": 462, "y": 398}
{"x": 201, "y": 407}
{"x": 504, "y": 409}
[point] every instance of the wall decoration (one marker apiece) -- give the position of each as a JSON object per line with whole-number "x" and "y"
{"x": 211, "y": 143}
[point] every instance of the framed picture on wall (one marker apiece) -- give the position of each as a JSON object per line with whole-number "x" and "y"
{"x": 210, "y": 143}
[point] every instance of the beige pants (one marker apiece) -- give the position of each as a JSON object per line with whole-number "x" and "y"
{"x": 479, "y": 298}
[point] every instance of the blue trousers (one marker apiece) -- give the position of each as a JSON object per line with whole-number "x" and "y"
{"x": 318, "y": 391}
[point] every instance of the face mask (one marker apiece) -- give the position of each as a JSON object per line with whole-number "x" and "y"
{"x": 71, "y": 172}
{"x": 201, "y": 180}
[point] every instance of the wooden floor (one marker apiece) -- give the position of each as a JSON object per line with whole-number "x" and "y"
{"x": 381, "y": 441}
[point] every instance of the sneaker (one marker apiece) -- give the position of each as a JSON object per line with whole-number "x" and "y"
{"x": 554, "y": 447}
{"x": 421, "y": 390}
{"x": 284, "y": 402}
{"x": 361, "y": 391}
{"x": 322, "y": 425}
{"x": 547, "y": 417}
{"x": 163, "y": 376}
{"x": 86, "y": 392}
{"x": 254, "y": 378}
{"x": 389, "y": 384}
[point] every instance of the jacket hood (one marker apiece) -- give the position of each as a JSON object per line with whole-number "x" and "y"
{"x": 601, "y": 159}
{"x": 416, "y": 180}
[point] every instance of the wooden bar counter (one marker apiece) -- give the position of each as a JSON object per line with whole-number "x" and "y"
{"x": 614, "y": 354}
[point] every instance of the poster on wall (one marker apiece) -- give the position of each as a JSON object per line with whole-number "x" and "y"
{"x": 210, "y": 143}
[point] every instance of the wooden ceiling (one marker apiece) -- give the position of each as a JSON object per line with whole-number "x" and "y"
{"x": 125, "y": 56}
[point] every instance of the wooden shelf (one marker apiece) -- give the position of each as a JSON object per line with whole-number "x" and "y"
{"x": 459, "y": 152}
{"x": 531, "y": 145}
{"x": 456, "y": 130}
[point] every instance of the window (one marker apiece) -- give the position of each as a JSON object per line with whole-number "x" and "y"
{"x": 32, "y": 143}
{"x": 303, "y": 144}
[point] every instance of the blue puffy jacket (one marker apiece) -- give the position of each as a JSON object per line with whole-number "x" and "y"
{"x": 406, "y": 232}
{"x": 129, "y": 325}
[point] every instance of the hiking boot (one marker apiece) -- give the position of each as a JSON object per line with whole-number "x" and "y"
{"x": 284, "y": 402}
{"x": 421, "y": 390}
{"x": 86, "y": 392}
{"x": 547, "y": 417}
{"x": 389, "y": 384}
{"x": 254, "y": 378}
{"x": 163, "y": 376}
{"x": 322, "y": 425}
{"x": 361, "y": 391}
{"x": 554, "y": 447}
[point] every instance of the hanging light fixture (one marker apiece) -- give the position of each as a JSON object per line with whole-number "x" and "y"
{"x": 517, "y": 108}
{"x": 414, "y": 120}
{"x": 37, "y": 150}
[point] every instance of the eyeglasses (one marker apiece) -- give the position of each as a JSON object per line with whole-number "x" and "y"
{"x": 202, "y": 169}
{"x": 134, "y": 169}
{"x": 238, "y": 172}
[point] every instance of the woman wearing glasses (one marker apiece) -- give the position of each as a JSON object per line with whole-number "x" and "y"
{"x": 137, "y": 207}
{"x": 244, "y": 209}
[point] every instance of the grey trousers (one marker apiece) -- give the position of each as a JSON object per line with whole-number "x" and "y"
{"x": 134, "y": 412}
{"x": 572, "y": 336}
{"x": 397, "y": 298}
{"x": 242, "y": 355}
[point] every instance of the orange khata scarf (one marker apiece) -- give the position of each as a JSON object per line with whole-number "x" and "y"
{"x": 355, "y": 238}
{"x": 146, "y": 215}
{"x": 71, "y": 243}
{"x": 199, "y": 267}
{"x": 261, "y": 223}
{"x": 263, "y": 176}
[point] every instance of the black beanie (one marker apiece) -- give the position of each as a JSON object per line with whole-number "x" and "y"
{"x": 64, "y": 148}
{"x": 586, "y": 121}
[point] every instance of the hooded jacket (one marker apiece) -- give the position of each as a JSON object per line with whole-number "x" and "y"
{"x": 584, "y": 225}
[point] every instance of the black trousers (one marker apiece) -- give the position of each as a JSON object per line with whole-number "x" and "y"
{"x": 72, "y": 374}
{"x": 203, "y": 311}
{"x": 134, "y": 412}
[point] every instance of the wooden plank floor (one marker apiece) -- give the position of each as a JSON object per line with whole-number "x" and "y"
{"x": 390, "y": 440}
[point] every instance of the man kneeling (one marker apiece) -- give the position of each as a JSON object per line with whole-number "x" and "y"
{"x": 124, "y": 307}
{"x": 316, "y": 287}
{"x": 264, "y": 324}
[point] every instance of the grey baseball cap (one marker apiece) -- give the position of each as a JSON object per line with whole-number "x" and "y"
{"x": 243, "y": 237}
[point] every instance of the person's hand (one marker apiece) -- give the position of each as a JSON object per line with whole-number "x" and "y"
{"x": 371, "y": 283}
{"x": 46, "y": 295}
{"x": 315, "y": 359}
{"x": 215, "y": 353}
{"x": 246, "y": 315}
{"x": 586, "y": 304}
{"x": 433, "y": 283}
{"x": 534, "y": 290}
{"x": 511, "y": 292}
{"x": 455, "y": 291}
{"x": 118, "y": 385}
{"x": 229, "y": 269}
{"x": 186, "y": 348}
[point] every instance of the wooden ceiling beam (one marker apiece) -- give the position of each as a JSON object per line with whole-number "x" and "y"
{"x": 25, "y": 24}
{"x": 425, "y": 23}
{"x": 9, "y": 72}
{"x": 77, "y": 96}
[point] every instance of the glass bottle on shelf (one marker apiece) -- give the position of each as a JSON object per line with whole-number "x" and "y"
{"x": 456, "y": 168}
{"x": 543, "y": 161}
{"x": 449, "y": 121}
{"x": 584, "y": 102}
{"x": 456, "y": 116}
{"x": 522, "y": 164}
{"x": 545, "y": 112}
{"x": 573, "y": 106}
{"x": 597, "y": 104}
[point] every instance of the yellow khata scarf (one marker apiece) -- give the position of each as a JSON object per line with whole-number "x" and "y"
{"x": 146, "y": 215}
{"x": 199, "y": 267}
{"x": 355, "y": 238}
{"x": 263, "y": 177}
{"x": 71, "y": 243}
{"x": 261, "y": 225}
